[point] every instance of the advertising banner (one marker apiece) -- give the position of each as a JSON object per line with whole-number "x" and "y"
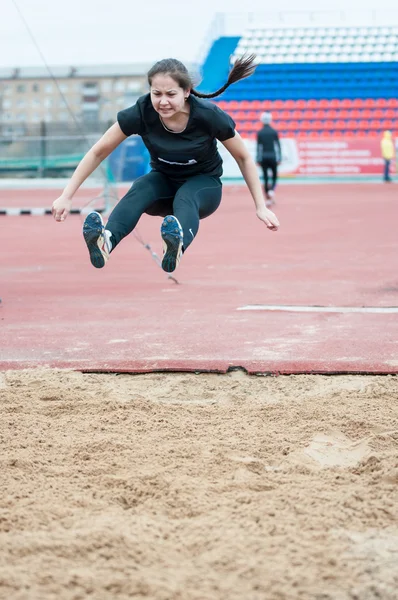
{"x": 327, "y": 156}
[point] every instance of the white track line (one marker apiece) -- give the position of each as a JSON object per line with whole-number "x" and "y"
{"x": 324, "y": 309}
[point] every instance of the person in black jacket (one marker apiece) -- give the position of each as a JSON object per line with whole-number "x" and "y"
{"x": 180, "y": 128}
{"x": 268, "y": 155}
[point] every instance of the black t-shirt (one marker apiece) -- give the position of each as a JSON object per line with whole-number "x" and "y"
{"x": 180, "y": 155}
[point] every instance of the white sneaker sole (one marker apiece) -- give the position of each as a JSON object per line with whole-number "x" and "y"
{"x": 93, "y": 233}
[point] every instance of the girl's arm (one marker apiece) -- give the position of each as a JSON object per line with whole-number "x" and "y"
{"x": 94, "y": 157}
{"x": 236, "y": 147}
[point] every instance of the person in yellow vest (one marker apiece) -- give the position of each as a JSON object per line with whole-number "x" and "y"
{"x": 387, "y": 152}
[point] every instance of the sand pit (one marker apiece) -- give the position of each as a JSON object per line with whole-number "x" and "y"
{"x": 205, "y": 487}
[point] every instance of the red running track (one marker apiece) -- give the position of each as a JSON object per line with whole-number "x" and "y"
{"x": 337, "y": 247}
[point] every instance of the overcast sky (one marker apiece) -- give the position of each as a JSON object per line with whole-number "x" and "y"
{"x": 82, "y": 32}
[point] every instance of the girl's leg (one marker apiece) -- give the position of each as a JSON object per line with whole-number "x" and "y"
{"x": 150, "y": 193}
{"x": 196, "y": 199}
{"x": 264, "y": 166}
{"x": 274, "y": 169}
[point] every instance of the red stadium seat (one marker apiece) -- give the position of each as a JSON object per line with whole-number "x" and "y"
{"x": 302, "y": 126}
{"x": 232, "y": 105}
{"x": 381, "y": 102}
{"x": 244, "y": 126}
{"x": 358, "y": 103}
{"x": 375, "y": 124}
{"x": 352, "y": 125}
{"x": 265, "y": 105}
{"x": 324, "y": 103}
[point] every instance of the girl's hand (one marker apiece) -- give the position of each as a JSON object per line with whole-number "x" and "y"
{"x": 61, "y": 208}
{"x": 269, "y": 218}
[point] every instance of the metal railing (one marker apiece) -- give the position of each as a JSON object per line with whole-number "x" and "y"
{"x": 45, "y": 149}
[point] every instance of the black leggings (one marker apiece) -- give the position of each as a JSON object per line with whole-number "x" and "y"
{"x": 269, "y": 163}
{"x": 157, "y": 195}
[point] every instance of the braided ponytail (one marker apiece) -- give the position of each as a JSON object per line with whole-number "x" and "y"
{"x": 243, "y": 67}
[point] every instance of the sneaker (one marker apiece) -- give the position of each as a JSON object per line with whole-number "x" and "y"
{"x": 172, "y": 236}
{"x": 270, "y": 199}
{"x": 96, "y": 239}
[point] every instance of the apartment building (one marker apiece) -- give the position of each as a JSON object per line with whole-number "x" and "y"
{"x": 92, "y": 93}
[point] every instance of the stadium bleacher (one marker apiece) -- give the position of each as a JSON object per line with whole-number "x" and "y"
{"x": 316, "y": 81}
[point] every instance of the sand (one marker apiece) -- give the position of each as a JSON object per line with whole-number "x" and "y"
{"x": 198, "y": 486}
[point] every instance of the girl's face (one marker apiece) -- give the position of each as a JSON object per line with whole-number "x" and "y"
{"x": 167, "y": 97}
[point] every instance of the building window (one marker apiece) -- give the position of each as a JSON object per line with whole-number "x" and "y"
{"x": 120, "y": 86}
{"x": 21, "y": 88}
{"x": 48, "y": 88}
{"x": 35, "y": 87}
{"x": 134, "y": 86}
{"x": 106, "y": 85}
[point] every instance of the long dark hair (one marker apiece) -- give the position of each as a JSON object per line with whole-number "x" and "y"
{"x": 243, "y": 67}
